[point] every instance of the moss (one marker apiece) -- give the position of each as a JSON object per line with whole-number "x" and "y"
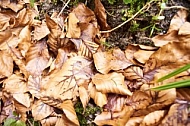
{"x": 86, "y": 116}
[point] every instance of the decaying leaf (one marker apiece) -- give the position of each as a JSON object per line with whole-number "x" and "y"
{"x": 134, "y": 121}
{"x": 6, "y": 61}
{"x": 40, "y": 110}
{"x": 133, "y": 73}
{"x": 68, "y": 109}
{"x": 106, "y": 61}
{"x": 111, "y": 83}
{"x": 153, "y": 118}
{"x": 37, "y": 58}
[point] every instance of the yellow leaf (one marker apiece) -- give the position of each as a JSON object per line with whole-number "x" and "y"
{"x": 111, "y": 83}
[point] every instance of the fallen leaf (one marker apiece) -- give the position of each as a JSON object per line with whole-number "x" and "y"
{"x": 68, "y": 109}
{"x": 111, "y": 83}
{"x": 6, "y": 61}
{"x": 12, "y": 5}
{"x": 153, "y": 118}
{"x": 106, "y": 61}
{"x": 37, "y": 58}
{"x": 143, "y": 55}
{"x": 133, "y": 73}
{"x": 40, "y": 31}
{"x": 74, "y": 30}
{"x": 40, "y": 110}
{"x": 134, "y": 121}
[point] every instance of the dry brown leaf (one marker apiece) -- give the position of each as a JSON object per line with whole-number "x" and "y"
{"x": 153, "y": 118}
{"x": 115, "y": 103}
{"x": 85, "y": 48}
{"x": 5, "y": 18}
{"x": 84, "y": 96}
{"x": 64, "y": 84}
{"x": 68, "y": 109}
{"x": 168, "y": 58}
{"x": 55, "y": 32}
{"x": 111, "y": 83}
{"x": 50, "y": 121}
{"x": 139, "y": 100}
{"x": 134, "y": 121}
{"x": 159, "y": 99}
{"x": 101, "y": 15}
{"x": 40, "y": 31}
{"x": 99, "y": 98}
{"x": 40, "y": 110}
{"x": 6, "y": 61}
{"x": 114, "y": 119}
{"x": 64, "y": 121}
{"x": 143, "y": 55}
{"x": 37, "y": 58}
{"x": 15, "y": 84}
{"x": 15, "y": 6}
{"x": 74, "y": 30}
{"x": 34, "y": 85}
{"x": 177, "y": 115}
{"x": 133, "y": 73}
{"x": 172, "y": 34}
{"x": 183, "y": 94}
{"x": 106, "y": 61}
{"x": 22, "y": 98}
{"x": 184, "y": 29}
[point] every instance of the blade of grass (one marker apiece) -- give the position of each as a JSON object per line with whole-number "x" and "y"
{"x": 182, "y": 69}
{"x": 178, "y": 84}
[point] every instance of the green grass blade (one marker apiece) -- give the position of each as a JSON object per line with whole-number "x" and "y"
{"x": 182, "y": 69}
{"x": 178, "y": 84}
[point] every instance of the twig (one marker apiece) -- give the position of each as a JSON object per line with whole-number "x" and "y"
{"x": 175, "y": 7}
{"x": 63, "y": 8}
{"x": 147, "y": 4}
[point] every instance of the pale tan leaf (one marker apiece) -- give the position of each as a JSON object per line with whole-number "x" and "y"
{"x": 50, "y": 121}
{"x": 74, "y": 30}
{"x": 15, "y": 84}
{"x": 84, "y": 96}
{"x": 106, "y": 61}
{"x": 177, "y": 115}
{"x": 64, "y": 84}
{"x": 37, "y": 58}
{"x": 143, "y": 55}
{"x": 133, "y": 73}
{"x": 64, "y": 121}
{"x": 6, "y": 61}
{"x": 111, "y": 83}
{"x": 178, "y": 20}
{"x": 68, "y": 109}
{"x": 22, "y": 98}
{"x": 34, "y": 85}
{"x": 134, "y": 121}
{"x": 184, "y": 29}
{"x": 21, "y": 110}
{"x": 99, "y": 98}
{"x": 168, "y": 58}
{"x": 40, "y": 110}
{"x": 40, "y": 31}
{"x": 153, "y": 118}
{"x": 114, "y": 119}
{"x": 12, "y": 5}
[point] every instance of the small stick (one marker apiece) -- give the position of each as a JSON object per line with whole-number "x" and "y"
{"x": 128, "y": 19}
{"x": 63, "y": 8}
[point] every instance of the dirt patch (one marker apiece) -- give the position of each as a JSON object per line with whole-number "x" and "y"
{"x": 141, "y": 34}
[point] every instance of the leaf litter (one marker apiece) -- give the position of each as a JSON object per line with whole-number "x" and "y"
{"x": 48, "y": 65}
